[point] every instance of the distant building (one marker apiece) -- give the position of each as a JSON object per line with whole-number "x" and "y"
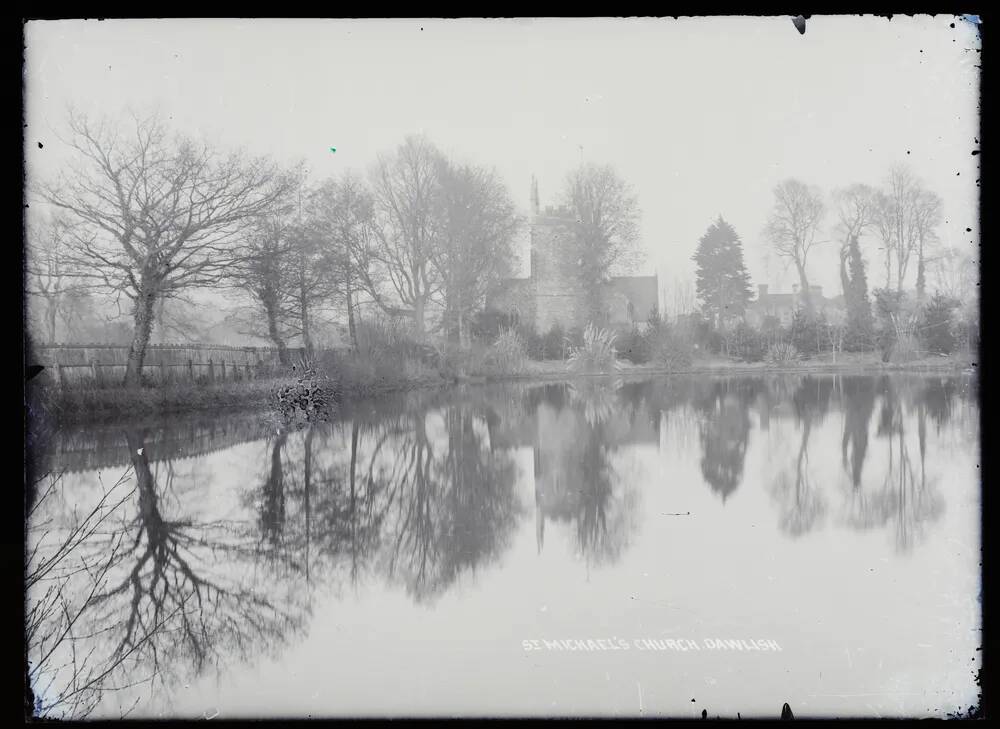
{"x": 782, "y": 307}
{"x": 551, "y": 295}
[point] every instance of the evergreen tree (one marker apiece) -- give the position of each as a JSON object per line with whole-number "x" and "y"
{"x": 936, "y": 326}
{"x": 860, "y": 326}
{"x": 723, "y": 282}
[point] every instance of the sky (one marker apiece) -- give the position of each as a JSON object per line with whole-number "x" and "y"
{"x": 702, "y": 116}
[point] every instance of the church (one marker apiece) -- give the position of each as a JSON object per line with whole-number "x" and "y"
{"x": 551, "y": 295}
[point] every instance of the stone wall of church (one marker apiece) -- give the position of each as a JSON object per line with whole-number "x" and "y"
{"x": 560, "y": 298}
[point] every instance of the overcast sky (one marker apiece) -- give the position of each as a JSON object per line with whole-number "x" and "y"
{"x": 703, "y": 116}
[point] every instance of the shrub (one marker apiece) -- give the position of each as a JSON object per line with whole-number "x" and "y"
{"x": 747, "y": 344}
{"x": 781, "y": 353}
{"x": 508, "y": 353}
{"x": 311, "y": 396}
{"x": 533, "y": 345}
{"x": 905, "y": 348}
{"x": 807, "y": 332}
{"x": 596, "y": 353}
{"x": 671, "y": 349}
{"x": 380, "y": 338}
{"x": 636, "y": 346}
{"x": 574, "y": 338}
{"x": 488, "y": 323}
{"x": 554, "y": 343}
{"x": 936, "y": 330}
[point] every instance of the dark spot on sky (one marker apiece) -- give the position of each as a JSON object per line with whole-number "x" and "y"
{"x": 907, "y": 151}
{"x": 968, "y": 230}
{"x": 952, "y": 25}
{"x": 40, "y": 145}
{"x": 800, "y": 24}
{"x": 975, "y": 152}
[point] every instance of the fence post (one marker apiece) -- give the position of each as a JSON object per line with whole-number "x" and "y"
{"x": 190, "y": 370}
{"x": 94, "y": 371}
{"x": 211, "y": 370}
{"x": 163, "y": 371}
{"x": 59, "y": 375}
{"x": 222, "y": 369}
{"x": 249, "y": 372}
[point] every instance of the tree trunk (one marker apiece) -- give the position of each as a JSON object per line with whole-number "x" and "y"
{"x": 271, "y": 309}
{"x": 307, "y": 343}
{"x": 418, "y": 317}
{"x": 463, "y": 333}
{"x": 804, "y": 284}
{"x": 143, "y": 317}
{"x": 50, "y": 319}
{"x": 921, "y": 283}
{"x": 845, "y": 280}
{"x": 351, "y": 330}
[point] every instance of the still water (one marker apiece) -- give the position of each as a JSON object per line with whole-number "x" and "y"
{"x": 603, "y": 548}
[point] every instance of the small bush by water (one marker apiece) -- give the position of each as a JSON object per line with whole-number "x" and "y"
{"x": 596, "y": 354}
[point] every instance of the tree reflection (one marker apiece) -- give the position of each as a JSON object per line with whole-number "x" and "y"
{"x": 724, "y": 433}
{"x": 905, "y": 496}
{"x": 802, "y": 505}
{"x": 272, "y": 501}
{"x": 858, "y": 400}
{"x": 178, "y": 592}
{"x": 575, "y": 477}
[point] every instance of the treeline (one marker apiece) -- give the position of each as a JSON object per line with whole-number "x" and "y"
{"x": 895, "y": 224}
{"x": 146, "y": 216}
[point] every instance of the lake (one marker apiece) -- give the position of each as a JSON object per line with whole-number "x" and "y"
{"x": 607, "y": 547}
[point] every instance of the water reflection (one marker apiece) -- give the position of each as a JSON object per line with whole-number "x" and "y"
{"x": 199, "y": 569}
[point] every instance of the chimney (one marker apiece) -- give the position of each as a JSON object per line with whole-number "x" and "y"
{"x": 534, "y": 196}
{"x": 761, "y": 292}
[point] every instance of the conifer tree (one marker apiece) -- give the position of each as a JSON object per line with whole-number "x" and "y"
{"x": 723, "y": 283}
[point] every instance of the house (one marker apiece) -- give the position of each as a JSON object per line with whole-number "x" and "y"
{"x": 551, "y": 294}
{"x": 782, "y": 307}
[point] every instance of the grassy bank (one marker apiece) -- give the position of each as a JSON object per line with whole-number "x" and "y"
{"x": 862, "y": 363}
{"x": 358, "y": 380}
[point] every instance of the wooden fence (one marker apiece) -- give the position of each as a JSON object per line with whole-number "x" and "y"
{"x": 98, "y": 364}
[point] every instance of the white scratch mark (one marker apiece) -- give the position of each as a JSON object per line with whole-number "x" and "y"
{"x": 639, "y": 686}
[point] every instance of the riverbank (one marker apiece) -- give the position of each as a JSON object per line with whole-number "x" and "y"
{"x": 86, "y": 404}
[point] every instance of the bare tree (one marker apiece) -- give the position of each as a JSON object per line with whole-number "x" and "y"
{"x": 262, "y": 270}
{"x": 927, "y": 213}
{"x": 795, "y": 220}
{"x": 679, "y": 298}
{"x": 405, "y": 187}
{"x": 606, "y": 227}
{"x": 478, "y": 223}
{"x": 906, "y": 218}
{"x": 313, "y": 283}
{"x": 156, "y": 213}
{"x": 955, "y": 274}
{"x": 342, "y": 212}
{"x": 856, "y": 210}
{"x": 49, "y": 277}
